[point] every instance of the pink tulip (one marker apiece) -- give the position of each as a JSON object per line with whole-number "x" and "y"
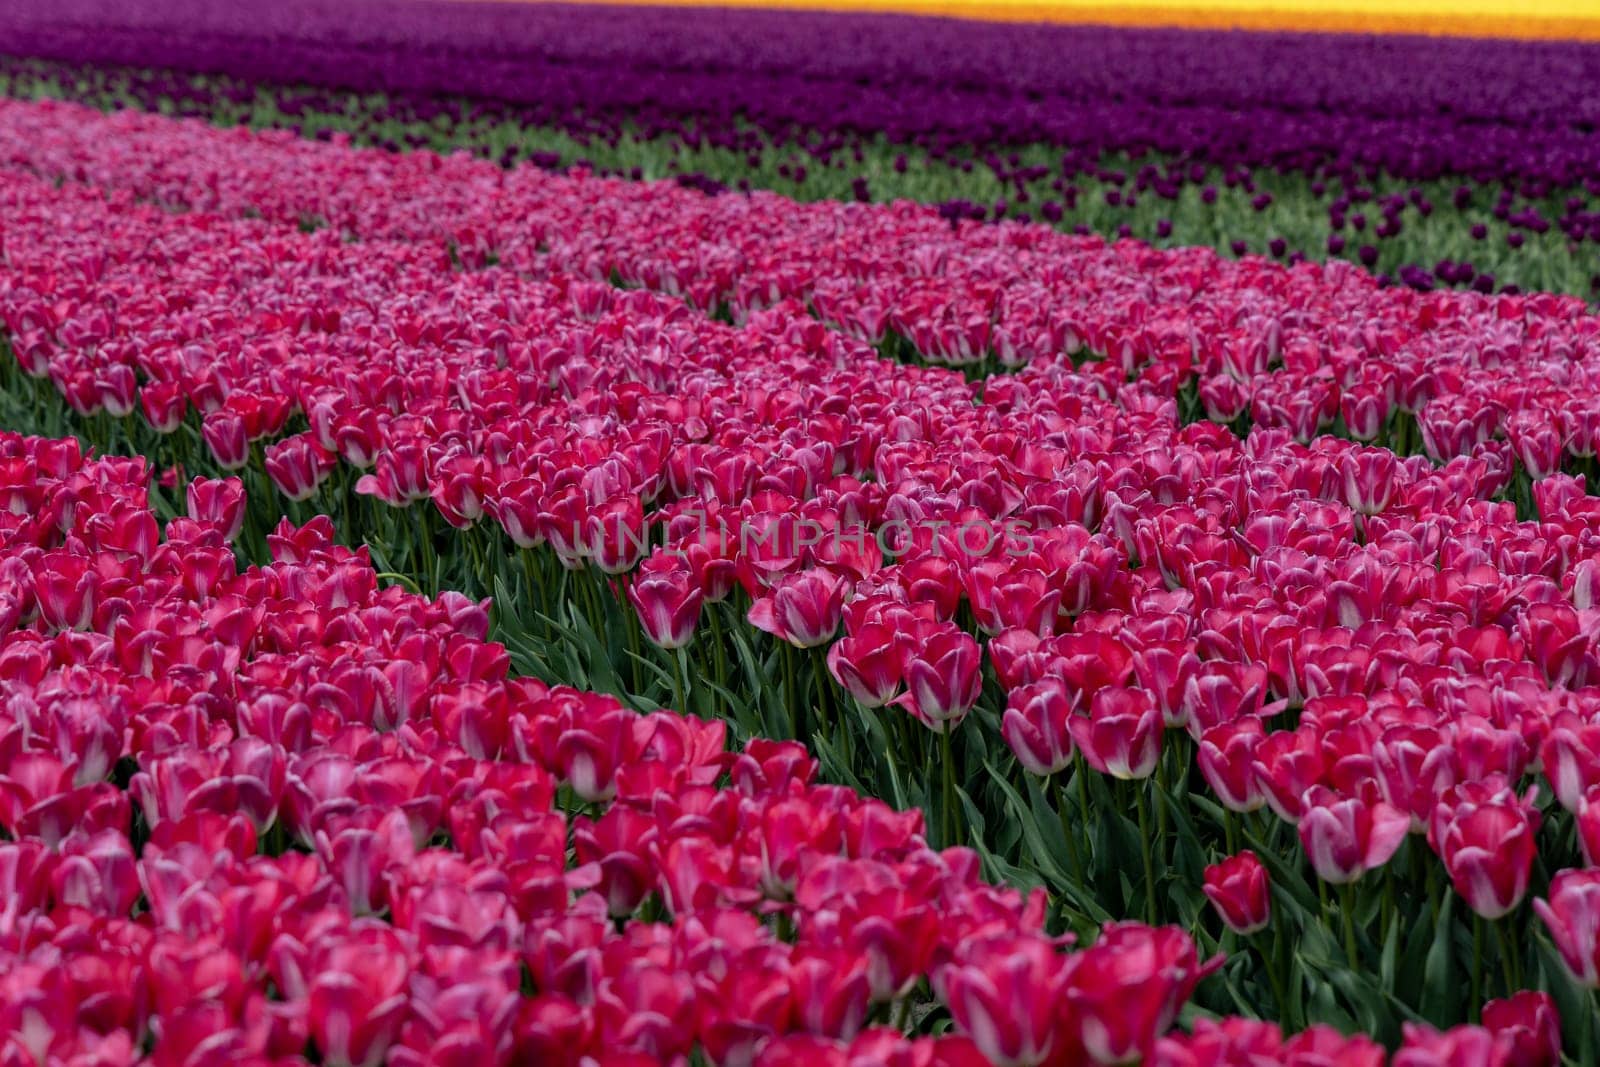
{"x": 1487, "y": 842}
{"x": 1571, "y": 913}
{"x": 803, "y": 609}
{"x": 943, "y": 679}
{"x": 667, "y": 600}
{"x": 1345, "y": 837}
{"x": 1037, "y": 726}
{"x": 1121, "y": 735}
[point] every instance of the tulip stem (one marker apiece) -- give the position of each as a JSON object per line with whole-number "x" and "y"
{"x": 425, "y": 539}
{"x": 1591, "y": 1011}
{"x": 1347, "y": 910}
{"x": 683, "y": 681}
{"x": 1269, "y": 954}
{"x": 1388, "y": 905}
{"x": 788, "y": 691}
{"x": 630, "y": 620}
{"x": 1080, "y": 774}
{"x": 1069, "y": 832}
{"x": 717, "y": 651}
{"x": 1477, "y": 966}
{"x": 824, "y": 694}
{"x": 1149, "y": 859}
{"x": 947, "y": 816}
{"x": 1160, "y": 797}
{"x": 1508, "y": 958}
{"x": 528, "y": 582}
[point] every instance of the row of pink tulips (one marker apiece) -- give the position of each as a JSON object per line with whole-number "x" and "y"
{"x": 252, "y": 809}
{"x": 1306, "y": 348}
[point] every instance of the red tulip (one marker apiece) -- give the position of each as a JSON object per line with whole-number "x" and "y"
{"x": 65, "y": 588}
{"x": 163, "y": 405}
{"x": 1128, "y": 987}
{"x": 1166, "y": 671}
{"x": 1226, "y": 756}
{"x": 1461, "y": 1046}
{"x": 831, "y": 993}
{"x": 1526, "y": 1029}
{"x": 614, "y": 534}
{"x": 1220, "y": 1043}
{"x": 1002, "y": 996}
{"x": 357, "y": 994}
{"x": 1005, "y": 597}
{"x": 1537, "y": 444}
{"x": 298, "y": 466}
{"x": 1588, "y": 822}
{"x": 1287, "y": 763}
{"x": 867, "y": 663}
{"x": 1321, "y": 1044}
{"x": 1414, "y": 766}
{"x": 1570, "y": 754}
{"x": 459, "y": 489}
{"x": 224, "y": 433}
{"x": 1238, "y": 888}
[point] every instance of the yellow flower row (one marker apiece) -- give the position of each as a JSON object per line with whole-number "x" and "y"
{"x": 1549, "y": 19}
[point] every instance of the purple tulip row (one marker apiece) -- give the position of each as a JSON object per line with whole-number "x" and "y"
{"x": 1413, "y": 107}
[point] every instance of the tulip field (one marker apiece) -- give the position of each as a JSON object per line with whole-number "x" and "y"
{"x": 467, "y": 604}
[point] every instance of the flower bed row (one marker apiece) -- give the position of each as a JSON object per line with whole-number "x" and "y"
{"x": 241, "y": 830}
{"x": 1475, "y": 172}
{"x": 1250, "y": 343}
{"x": 1363, "y": 645}
{"x": 259, "y": 814}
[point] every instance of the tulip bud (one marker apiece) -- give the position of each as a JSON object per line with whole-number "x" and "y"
{"x": 1126, "y": 990}
{"x": 1369, "y": 476}
{"x": 356, "y": 999}
{"x": 224, "y": 434}
{"x": 803, "y": 609}
{"x": 218, "y": 503}
{"x": 1227, "y": 762}
{"x": 943, "y": 679}
{"x": 667, "y": 600}
{"x": 298, "y": 466}
{"x": 163, "y": 405}
{"x": 1121, "y": 735}
{"x": 1004, "y": 997}
{"x": 1537, "y": 443}
{"x": 1488, "y": 846}
{"x": 1225, "y": 398}
{"x": 1572, "y": 915}
{"x": 868, "y": 664}
{"x": 66, "y": 589}
{"x": 614, "y": 534}
{"x": 1364, "y": 413}
{"x": 1423, "y": 1046}
{"x": 1526, "y": 1029}
{"x": 1037, "y": 726}
{"x": 1344, "y": 837}
{"x": 1239, "y": 889}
